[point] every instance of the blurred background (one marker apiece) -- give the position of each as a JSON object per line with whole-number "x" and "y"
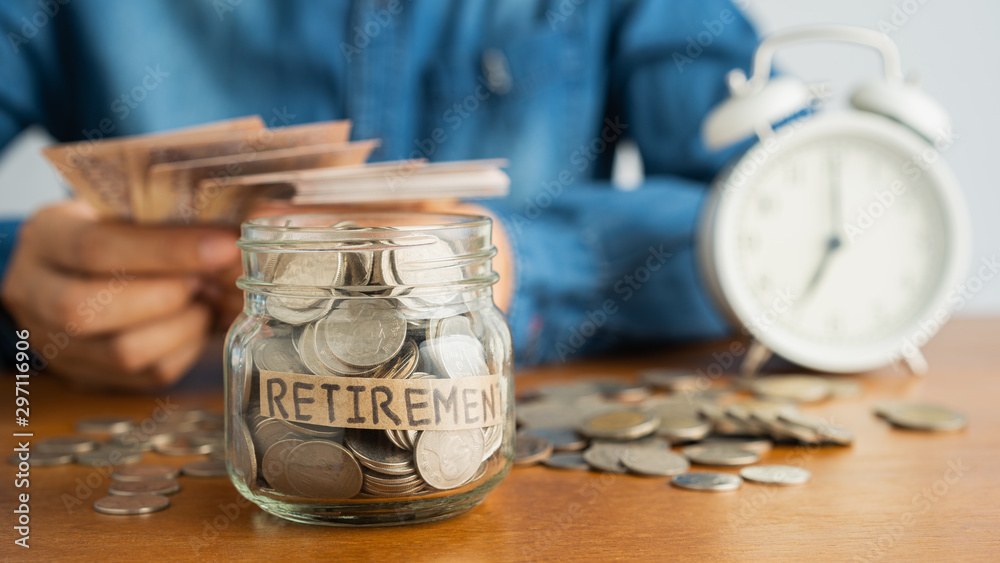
{"x": 953, "y": 45}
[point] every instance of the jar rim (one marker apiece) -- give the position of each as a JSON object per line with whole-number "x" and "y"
{"x": 444, "y": 221}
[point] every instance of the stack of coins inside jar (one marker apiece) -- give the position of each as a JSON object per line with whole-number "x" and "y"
{"x": 370, "y": 362}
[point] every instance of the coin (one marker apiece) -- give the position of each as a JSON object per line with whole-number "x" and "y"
{"x": 108, "y": 456}
{"x": 530, "y": 449}
{"x": 363, "y": 334}
{"x": 447, "y": 459}
{"x": 753, "y": 443}
{"x": 670, "y": 379}
{"x": 133, "y": 488}
{"x": 720, "y": 455}
{"x": 562, "y": 439}
{"x": 798, "y": 388}
{"x": 104, "y": 424}
{"x": 457, "y": 356}
{"x": 274, "y": 465}
{"x": 547, "y": 415}
{"x": 206, "y": 468}
{"x": 621, "y": 424}
{"x": 144, "y": 473}
{"x": 65, "y": 445}
{"x": 924, "y": 416}
{"x": 139, "y": 504}
{"x": 567, "y": 460}
{"x": 776, "y": 474}
{"x": 42, "y": 459}
{"x": 243, "y": 455}
{"x": 655, "y": 463}
{"x": 707, "y": 481}
{"x": 607, "y": 457}
{"x": 183, "y": 445}
{"x": 323, "y": 470}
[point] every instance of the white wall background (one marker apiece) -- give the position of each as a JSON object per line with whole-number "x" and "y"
{"x": 953, "y": 44}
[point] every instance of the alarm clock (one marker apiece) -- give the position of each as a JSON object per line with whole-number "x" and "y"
{"x": 836, "y": 238}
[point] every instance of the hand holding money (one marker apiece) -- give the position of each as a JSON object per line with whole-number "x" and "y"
{"x": 122, "y": 286}
{"x": 110, "y": 303}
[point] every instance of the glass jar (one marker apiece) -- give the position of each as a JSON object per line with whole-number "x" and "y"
{"x": 369, "y": 377}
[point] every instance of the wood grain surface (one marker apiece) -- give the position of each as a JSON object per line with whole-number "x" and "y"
{"x": 895, "y": 495}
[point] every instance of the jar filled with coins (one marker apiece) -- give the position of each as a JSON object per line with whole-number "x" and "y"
{"x": 369, "y": 377}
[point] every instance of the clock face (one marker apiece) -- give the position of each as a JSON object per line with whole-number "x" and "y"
{"x": 834, "y": 248}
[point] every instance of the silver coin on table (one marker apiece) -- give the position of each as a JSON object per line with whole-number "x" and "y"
{"x": 139, "y": 504}
{"x": 608, "y": 457}
{"x": 655, "y": 463}
{"x": 183, "y": 445}
{"x": 530, "y": 449}
{"x": 826, "y": 431}
{"x": 720, "y": 455}
{"x": 572, "y": 461}
{"x": 620, "y": 425}
{"x": 923, "y": 416}
{"x": 42, "y": 459}
{"x": 363, "y": 333}
{"x": 798, "y": 388}
{"x": 547, "y": 414}
{"x": 133, "y": 488}
{"x": 323, "y": 470}
{"x": 562, "y": 439}
{"x": 670, "y": 379}
{"x": 753, "y": 443}
{"x": 104, "y": 424}
{"x": 776, "y": 474}
{"x": 105, "y": 456}
{"x": 707, "y": 481}
{"x": 145, "y": 473}
{"x": 205, "y": 468}
{"x": 447, "y": 459}
{"x": 65, "y": 445}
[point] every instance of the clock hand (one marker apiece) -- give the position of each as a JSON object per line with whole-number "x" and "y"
{"x": 835, "y": 240}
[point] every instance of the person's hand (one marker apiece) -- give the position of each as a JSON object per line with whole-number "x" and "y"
{"x": 110, "y": 304}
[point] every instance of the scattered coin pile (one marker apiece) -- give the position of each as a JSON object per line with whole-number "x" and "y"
{"x": 622, "y": 428}
{"x": 399, "y": 335}
{"x": 119, "y": 442}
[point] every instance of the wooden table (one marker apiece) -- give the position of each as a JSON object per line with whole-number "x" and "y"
{"x": 894, "y": 495}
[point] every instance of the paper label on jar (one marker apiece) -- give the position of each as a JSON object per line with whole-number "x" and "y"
{"x": 385, "y": 404}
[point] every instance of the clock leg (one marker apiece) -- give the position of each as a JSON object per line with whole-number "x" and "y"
{"x": 757, "y": 356}
{"x": 916, "y": 363}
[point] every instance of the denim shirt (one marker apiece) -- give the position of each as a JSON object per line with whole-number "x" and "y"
{"x": 552, "y": 86}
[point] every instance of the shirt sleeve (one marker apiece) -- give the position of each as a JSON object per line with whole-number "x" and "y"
{"x": 599, "y": 268}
